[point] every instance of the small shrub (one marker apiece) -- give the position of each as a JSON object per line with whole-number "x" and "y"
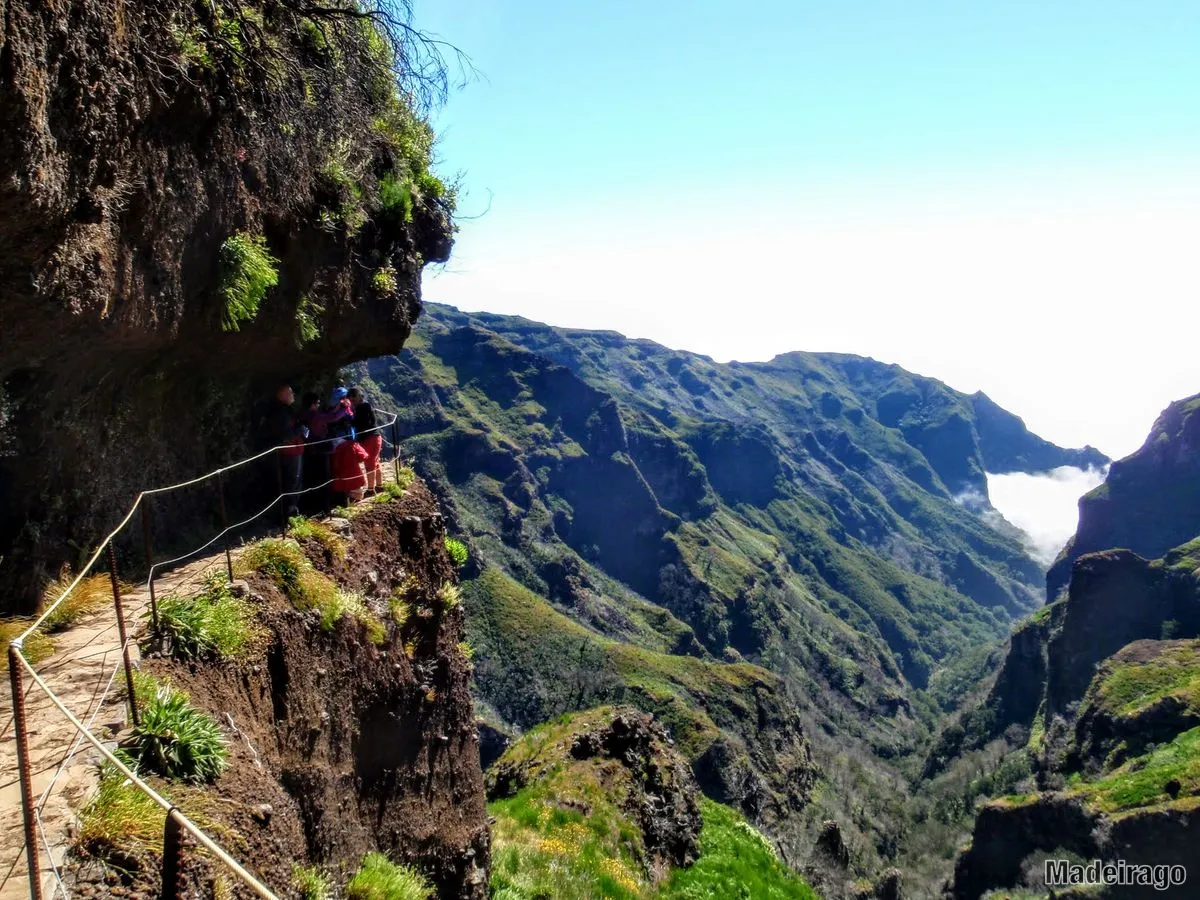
{"x": 468, "y": 652}
{"x": 247, "y": 272}
{"x": 381, "y": 879}
{"x": 311, "y": 883}
{"x": 305, "y": 529}
{"x": 212, "y": 623}
{"x": 458, "y": 552}
{"x": 396, "y": 197}
{"x": 448, "y": 596}
{"x": 384, "y": 280}
{"x": 177, "y": 740}
{"x": 117, "y": 816}
{"x": 91, "y": 594}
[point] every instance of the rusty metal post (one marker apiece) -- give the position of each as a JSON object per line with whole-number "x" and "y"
{"x": 149, "y": 560}
{"x": 283, "y": 503}
{"x": 116, "y": 589}
{"x": 172, "y": 863}
{"x": 395, "y": 450}
{"x": 224, "y": 523}
{"x": 23, "y": 769}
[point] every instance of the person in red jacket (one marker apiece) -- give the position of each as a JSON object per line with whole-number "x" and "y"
{"x": 348, "y": 475}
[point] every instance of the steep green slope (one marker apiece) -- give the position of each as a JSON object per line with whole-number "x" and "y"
{"x": 645, "y": 522}
{"x": 598, "y": 804}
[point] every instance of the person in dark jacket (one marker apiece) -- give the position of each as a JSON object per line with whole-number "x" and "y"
{"x": 286, "y": 435}
{"x": 366, "y": 428}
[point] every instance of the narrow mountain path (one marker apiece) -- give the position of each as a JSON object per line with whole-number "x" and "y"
{"x": 85, "y": 672}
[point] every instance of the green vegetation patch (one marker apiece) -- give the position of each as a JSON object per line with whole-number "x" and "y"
{"x": 302, "y": 529}
{"x": 458, "y": 552}
{"x": 247, "y": 272}
{"x": 119, "y": 815}
{"x": 311, "y": 883}
{"x": 1169, "y": 771}
{"x": 381, "y": 879}
{"x": 283, "y": 561}
{"x": 735, "y": 861}
{"x": 213, "y": 623}
{"x": 1128, "y": 687}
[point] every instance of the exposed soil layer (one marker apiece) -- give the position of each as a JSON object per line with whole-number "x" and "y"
{"x": 339, "y": 746}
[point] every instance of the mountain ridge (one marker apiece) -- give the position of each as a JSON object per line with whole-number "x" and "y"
{"x": 652, "y": 528}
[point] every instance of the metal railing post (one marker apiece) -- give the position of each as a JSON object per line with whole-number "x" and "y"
{"x": 224, "y": 523}
{"x": 149, "y": 560}
{"x": 23, "y": 768}
{"x": 116, "y": 589}
{"x": 283, "y": 501}
{"x": 395, "y": 450}
{"x": 172, "y": 868}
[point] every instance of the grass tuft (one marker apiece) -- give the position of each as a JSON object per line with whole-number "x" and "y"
{"x": 448, "y": 596}
{"x": 458, "y": 552}
{"x": 310, "y": 529}
{"x": 213, "y": 623}
{"x": 36, "y": 648}
{"x": 381, "y": 879}
{"x": 119, "y": 815}
{"x": 177, "y": 740}
{"x": 91, "y": 594}
{"x": 394, "y": 490}
{"x": 311, "y": 883}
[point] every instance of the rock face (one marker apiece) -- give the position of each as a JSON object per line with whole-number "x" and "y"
{"x": 354, "y": 744}
{"x": 135, "y": 143}
{"x": 1150, "y": 501}
{"x": 628, "y": 753}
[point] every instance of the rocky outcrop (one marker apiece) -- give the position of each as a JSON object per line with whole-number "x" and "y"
{"x": 634, "y": 759}
{"x": 136, "y": 140}
{"x": 1150, "y": 501}
{"x": 1116, "y": 724}
{"x": 1115, "y": 598}
{"x": 1006, "y": 835}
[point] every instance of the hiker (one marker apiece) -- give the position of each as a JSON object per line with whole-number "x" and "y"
{"x": 320, "y": 422}
{"x": 287, "y": 435}
{"x": 369, "y": 435}
{"x": 341, "y": 423}
{"x": 348, "y": 476}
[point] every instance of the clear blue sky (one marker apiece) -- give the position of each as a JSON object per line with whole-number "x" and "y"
{"x": 979, "y": 191}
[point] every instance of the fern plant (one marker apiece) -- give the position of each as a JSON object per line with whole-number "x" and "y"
{"x": 248, "y": 271}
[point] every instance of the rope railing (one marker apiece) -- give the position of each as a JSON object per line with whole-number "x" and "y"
{"x": 175, "y": 823}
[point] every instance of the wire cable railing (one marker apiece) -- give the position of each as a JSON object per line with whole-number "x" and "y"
{"x": 176, "y": 824}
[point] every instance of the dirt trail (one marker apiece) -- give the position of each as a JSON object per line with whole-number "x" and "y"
{"x": 85, "y": 672}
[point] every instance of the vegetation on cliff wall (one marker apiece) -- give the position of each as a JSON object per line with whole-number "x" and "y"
{"x": 198, "y": 195}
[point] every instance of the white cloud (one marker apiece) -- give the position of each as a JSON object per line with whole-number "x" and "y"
{"x": 1045, "y": 507}
{"x": 1068, "y": 297}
